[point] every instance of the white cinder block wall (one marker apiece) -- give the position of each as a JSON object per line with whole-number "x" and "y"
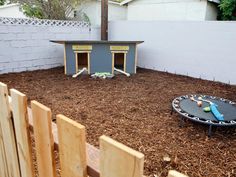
{"x": 27, "y": 47}
{"x": 197, "y": 49}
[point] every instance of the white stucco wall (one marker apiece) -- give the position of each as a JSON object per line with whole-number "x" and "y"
{"x": 168, "y": 10}
{"x": 198, "y": 49}
{"x": 11, "y": 11}
{"x": 92, "y": 8}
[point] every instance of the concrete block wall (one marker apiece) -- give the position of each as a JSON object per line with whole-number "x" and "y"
{"x": 25, "y": 47}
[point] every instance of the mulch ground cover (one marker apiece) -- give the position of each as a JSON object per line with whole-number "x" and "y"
{"x": 136, "y": 112}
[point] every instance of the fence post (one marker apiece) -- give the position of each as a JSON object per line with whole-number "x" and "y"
{"x": 8, "y": 134}
{"x": 44, "y": 142}
{"x": 72, "y": 147}
{"x": 21, "y": 123}
{"x": 118, "y": 160}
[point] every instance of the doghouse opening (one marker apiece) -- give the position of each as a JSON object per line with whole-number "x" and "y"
{"x": 82, "y": 60}
{"x": 119, "y": 61}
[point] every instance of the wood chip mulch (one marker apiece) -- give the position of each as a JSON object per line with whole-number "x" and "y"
{"x": 136, "y": 112}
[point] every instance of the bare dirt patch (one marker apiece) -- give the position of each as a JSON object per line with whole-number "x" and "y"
{"x": 136, "y": 112}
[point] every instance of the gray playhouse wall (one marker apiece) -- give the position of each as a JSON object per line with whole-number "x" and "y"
{"x": 100, "y": 58}
{"x": 130, "y": 61}
{"x": 70, "y": 60}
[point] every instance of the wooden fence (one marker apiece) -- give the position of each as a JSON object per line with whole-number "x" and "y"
{"x": 77, "y": 158}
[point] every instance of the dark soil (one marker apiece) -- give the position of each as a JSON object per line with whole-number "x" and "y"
{"x": 136, "y": 112}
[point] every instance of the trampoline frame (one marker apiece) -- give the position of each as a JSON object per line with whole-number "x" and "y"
{"x": 175, "y": 107}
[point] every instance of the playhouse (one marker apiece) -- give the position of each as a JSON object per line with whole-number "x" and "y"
{"x": 99, "y": 56}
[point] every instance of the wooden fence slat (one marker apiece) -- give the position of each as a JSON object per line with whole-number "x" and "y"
{"x": 3, "y": 160}
{"x": 173, "y": 173}
{"x": 114, "y": 149}
{"x": 92, "y": 152}
{"x": 44, "y": 142}
{"x": 118, "y": 160}
{"x": 8, "y": 133}
{"x": 72, "y": 147}
{"x": 20, "y": 118}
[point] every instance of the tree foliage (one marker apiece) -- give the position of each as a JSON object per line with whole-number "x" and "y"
{"x": 228, "y": 9}
{"x": 49, "y": 9}
{"x": 2, "y": 2}
{"x": 32, "y": 11}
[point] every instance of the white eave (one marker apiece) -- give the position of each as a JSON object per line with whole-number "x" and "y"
{"x": 112, "y": 2}
{"x": 215, "y": 1}
{"x": 125, "y": 2}
{"x": 128, "y": 1}
{"x": 9, "y": 5}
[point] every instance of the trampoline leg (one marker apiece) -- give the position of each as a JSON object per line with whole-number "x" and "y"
{"x": 172, "y": 110}
{"x": 210, "y": 131}
{"x": 181, "y": 122}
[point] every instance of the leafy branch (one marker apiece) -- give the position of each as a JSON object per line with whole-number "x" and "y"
{"x": 228, "y": 9}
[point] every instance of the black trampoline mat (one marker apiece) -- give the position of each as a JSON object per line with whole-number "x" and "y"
{"x": 189, "y": 109}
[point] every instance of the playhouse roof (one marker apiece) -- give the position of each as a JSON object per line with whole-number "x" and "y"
{"x": 95, "y": 42}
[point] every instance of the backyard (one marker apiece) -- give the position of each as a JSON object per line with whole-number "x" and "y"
{"x": 136, "y": 112}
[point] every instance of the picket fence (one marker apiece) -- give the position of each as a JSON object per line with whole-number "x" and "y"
{"x": 76, "y": 157}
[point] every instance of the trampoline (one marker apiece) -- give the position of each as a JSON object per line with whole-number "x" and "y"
{"x": 189, "y": 109}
